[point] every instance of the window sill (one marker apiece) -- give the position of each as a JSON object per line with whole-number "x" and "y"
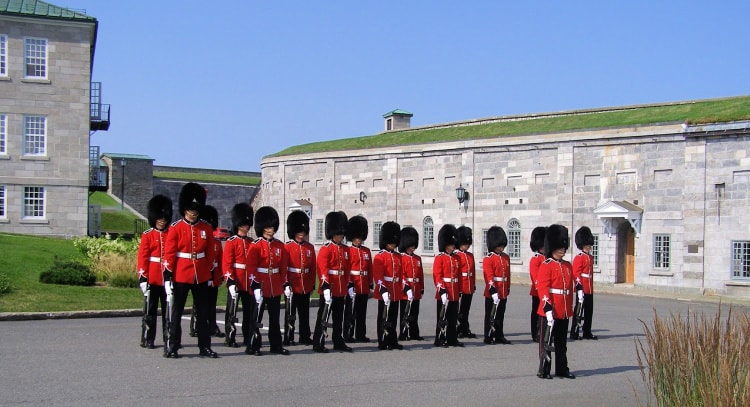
{"x": 661, "y": 274}
{"x": 34, "y": 222}
{"x": 4, "y": 157}
{"x": 37, "y": 81}
{"x": 34, "y": 158}
{"x": 4, "y": 220}
{"x": 5, "y": 78}
{"x": 738, "y": 283}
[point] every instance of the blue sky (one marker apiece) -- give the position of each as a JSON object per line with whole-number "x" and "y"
{"x": 222, "y": 84}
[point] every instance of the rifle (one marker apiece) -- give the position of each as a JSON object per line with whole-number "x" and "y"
{"x": 289, "y": 320}
{"x": 493, "y": 322}
{"x": 547, "y": 341}
{"x": 231, "y": 321}
{"x": 145, "y": 323}
{"x": 442, "y": 335}
{"x": 386, "y": 324}
{"x": 406, "y": 321}
{"x": 170, "y": 346}
{"x": 349, "y": 328}
{"x": 578, "y": 312}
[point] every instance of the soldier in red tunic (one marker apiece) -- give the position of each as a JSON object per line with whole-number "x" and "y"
{"x": 268, "y": 261}
{"x": 468, "y": 281}
{"x": 411, "y": 266}
{"x": 188, "y": 260}
{"x": 211, "y": 215}
{"x": 496, "y": 268}
{"x": 537, "y": 247}
{"x": 555, "y": 284}
{"x": 447, "y": 277}
{"x": 355, "y": 307}
{"x": 333, "y": 271}
{"x": 151, "y": 268}
{"x": 583, "y": 272}
{"x": 301, "y": 273}
{"x": 234, "y": 266}
{"x": 389, "y": 285}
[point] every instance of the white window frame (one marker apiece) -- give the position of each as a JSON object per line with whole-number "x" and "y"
{"x": 514, "y": 239}
{"x": 319, "y": 230}
{"x": 662, "y": 245}
{"x": 376, "y": 226}
{"x": 3, "y": 55}
{"x": 428, "y": 235}
{"x": 740, "y": 260}
{"x": 3, "y": 205}
{"x": 35, "y": 57}
{"x": 485, "y": 249}
{"x": 595, "y": 250}
{"x": 3, "y": 134}
{"x": 35, "y": 136}
{"x": 34, "y": 203}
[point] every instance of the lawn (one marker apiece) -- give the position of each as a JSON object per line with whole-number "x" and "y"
{"x": 115, "y": 219}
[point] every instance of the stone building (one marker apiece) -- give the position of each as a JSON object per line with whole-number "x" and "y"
{"x": 48, "y": 108}
{"x": 667, "y": 201}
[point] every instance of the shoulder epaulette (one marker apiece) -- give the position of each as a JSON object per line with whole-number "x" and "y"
{"x": 548, "y": 260}
{"x": 148, "y": 230}
{"x": 175, "y": 222}
{"x": 233, "y": 237}
{"x": 257, "y": 239}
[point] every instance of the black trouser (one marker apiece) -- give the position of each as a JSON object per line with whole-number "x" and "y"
{"x": 301, "y": 307}
{"x": 588, "y": 310}
{"x": 213, "y": 296}
{"x": 337, "y": 315}
{"x": 451, "y": 335}
{"x": 248, "y": 309}
{"x": 559, "y": 339}
{"x": 157, "y": 297}
{"x": 413, "y": 320}
{"x": 463, "y": 314}
{"x": 273, "y": 305}
{"x": 200, "y": 295}
{"x": 534, "y": 317}
{"x": 499, "y": 316}
{"x": 390, "y": 339}
{"x": 355, "y": 314}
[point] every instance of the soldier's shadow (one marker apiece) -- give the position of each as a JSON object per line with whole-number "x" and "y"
{"x": 606, "y": 370}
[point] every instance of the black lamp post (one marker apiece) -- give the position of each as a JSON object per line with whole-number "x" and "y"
{"x": 362, "y": 197}
{"x": 122, "y": 184}
{"x": 461, "y": 194}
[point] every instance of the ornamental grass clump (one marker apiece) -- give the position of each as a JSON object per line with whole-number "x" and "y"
{"x": 698, "y": 360}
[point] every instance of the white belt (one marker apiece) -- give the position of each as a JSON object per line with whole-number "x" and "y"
{"x": 394, "y": 279}
{"x": 559, "y": 291}
{"x": 266, "y": 271}
{"x": 450, "y": 280}
{"x": 296, "y": 270}
{"x": 466, "y": 274}
{"x": 155, "y": 259}
{"x": 192, "y": 256}
{"x": 499, "y": 278}
{"x": 586, "y": 275}
{"x": 239, "y": 266}
{"x": 335, "y": 272}
{"x": 412, "y": 280}
{"x": 358, "y": 272}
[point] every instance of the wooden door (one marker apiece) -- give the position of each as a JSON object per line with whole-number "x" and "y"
{"x": 630, "y": 256}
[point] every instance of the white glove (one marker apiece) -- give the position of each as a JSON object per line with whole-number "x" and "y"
{"x": 258, "y": 295}
{"x": 327, "y": 296}
{"x": 288, "y": 291}
{"x": 580, "y": 296}
{"x": 387, "y": 298}
{"x": 410, "y": 294}
{"x": 210, "y": 283}
{"x": 168, "y": 288}
{"x": 444, "y": 298}
{"x": 495, "y": 298}
{"x": 233, "y": 291}
{"x": 351, "y": 292}
{"x": 144, "y": 288}
{"x": 550, "y": 320}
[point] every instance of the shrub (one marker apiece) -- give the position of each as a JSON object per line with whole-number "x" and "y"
{"x": 697, "y": 361}
{"x": 123, "y": 280}
{"x": 5, "y": 286}
{"x": 94, "y": 247}
{"x": 108, "y": 265}
{"x": 68, "y": 272}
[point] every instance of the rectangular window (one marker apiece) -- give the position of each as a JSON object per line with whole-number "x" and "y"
{"x": 3, "y": 55}
{"x": 33, "y": 203}
{"x": 376, "y": 234}
{"x": 3, "y": 212}
{"x": 514, "y": 244}
{"x": 485, "y": 250}
{"x": 740, "y": 259}
{"x": 595, "y": 250}
{"x": 428, "y": 237}
{"x": 34, "y": 140}
{"x": 661, "y": 252}
{"x": 35, "y": 57}
{"x": 3, "y": 134}
{"x": 319, "y": 230}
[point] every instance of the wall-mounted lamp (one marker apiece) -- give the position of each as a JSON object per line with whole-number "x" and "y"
{"x": 461, "y": 194}
{"x": 362, "y": 197}
{"x": 123, "y": 162}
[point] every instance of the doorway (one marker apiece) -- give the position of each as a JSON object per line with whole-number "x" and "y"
{"x": 625, "y": 253}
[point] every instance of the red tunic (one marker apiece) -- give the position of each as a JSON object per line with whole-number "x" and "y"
{"x": 234, "y": 261}
{"x": 361, "y": 273}
{"x": 583, "y": 271}
{"x": 411, "y": 265}
{"x": 301, "y": 267}
{"x": 468, "y": 271}
{"x": 387, "y": 273}
{"x": 556, "y": 287}
{"x": 150, "y": 256}
{"x": 216, "y": 272}
{"x": 497, "y": 273}
{"x": 446, "y": 274}
{"x": 536, "y": 260}
{"x": 267, "y": 261}
{"x": 189, "y": 251}
{"x": 333, "y": 268}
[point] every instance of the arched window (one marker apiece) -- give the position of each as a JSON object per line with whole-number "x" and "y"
{"x": 514, "y": 239}
{"x": 428, "y": 235}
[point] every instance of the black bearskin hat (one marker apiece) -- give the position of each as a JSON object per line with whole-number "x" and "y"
{"x": 192, "y": 197}
{"x": 556, "y": 238}
{"x": 409, "y": 238}
{"x": 242, "y": 214}
{"x": 463, "y": 235}
{"x": 266, "y": 217}
{"x": 159, "y": 207}
{"x": 357, "y": 228}
{"x": 336, "y": 223}
{"x": 210, "y": 215}
{"x": 496, "y": 237}
{"x": 447, "y": 236}
{"x": 584, "y": 237}
{"x": 390, "y": 233}
{"x": 537, "y": 238}
{"x": 297, "y": 222}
